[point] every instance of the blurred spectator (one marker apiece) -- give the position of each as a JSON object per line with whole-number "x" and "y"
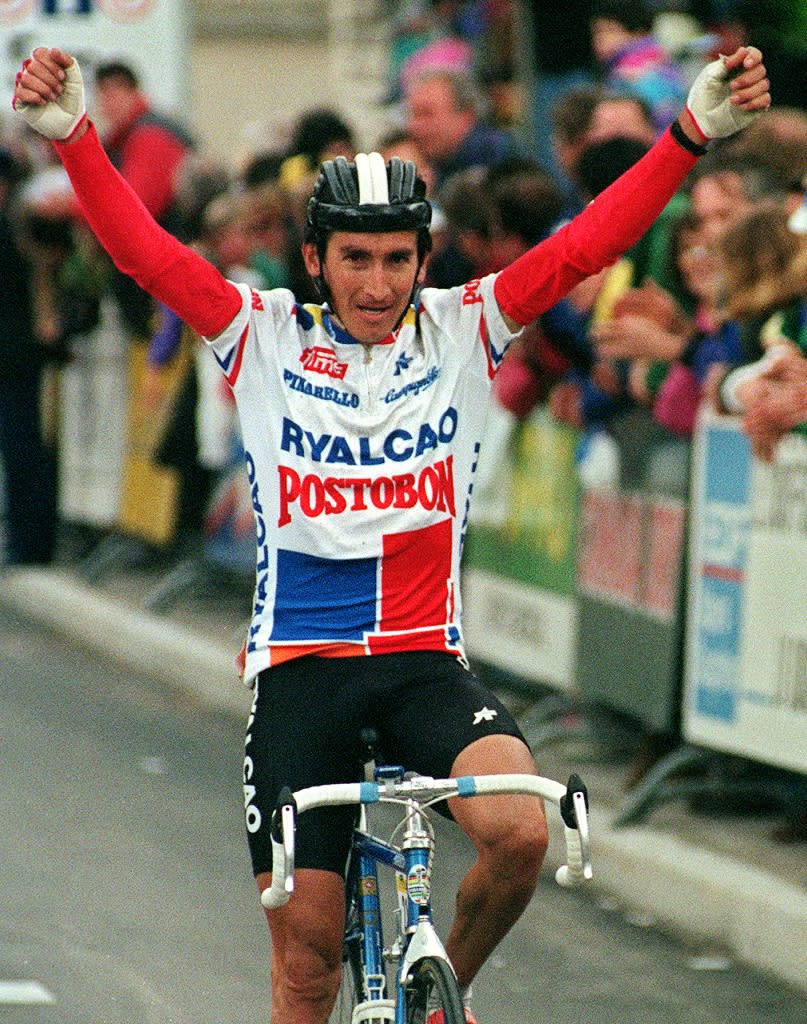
{"x": 466, "y": 253}
{"x": 199, "y": 180}
{"x": 445, "y": 120}
{"x": 723, "y": 188}
{"x": 620, "y": 115}
{"x": 778, "y": 142}
{"x": 602, "y": 162}
{"x": 400, "y": 143}
{"x": 469, "y": 35}
{"x": 29, "y": 467}
{"x": 569, "y": 119}
{"x": 525, "y": 205}
{"x": 318, "y": 134}
{"x": 558, "y": 46}
{"x": 590, "y": 116}
{"x": 679, "y": 357}
{"x": 265, "y": 219}
{"x": 148, "y": 149}
{"x": 620, "y": 130}
{"x": 597, "y": 392}
{"x": 764, "y": 274}
{"x": 197, "y": 441}
{"x": 661, "y": 341}
{"x": 631, "y": 58}
{"x": 449, "y": 47}
{"x": 413, "y": 27}
{"x": 262, "y": 168}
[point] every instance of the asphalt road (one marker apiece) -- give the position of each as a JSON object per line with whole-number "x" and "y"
{"x": 126, "y": 896}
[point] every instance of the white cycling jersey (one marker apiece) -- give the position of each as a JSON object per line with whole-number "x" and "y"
{"x": 360, "y": 461}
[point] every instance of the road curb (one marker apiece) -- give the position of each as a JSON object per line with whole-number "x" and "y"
{"x": 758, "y": 918}
{"x": 133, "y": 637}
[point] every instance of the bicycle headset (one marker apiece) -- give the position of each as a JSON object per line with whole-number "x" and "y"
{"x": 368, "y": 195}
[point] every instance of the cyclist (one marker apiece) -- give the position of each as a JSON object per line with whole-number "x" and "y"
{"x": 361, "y": 420}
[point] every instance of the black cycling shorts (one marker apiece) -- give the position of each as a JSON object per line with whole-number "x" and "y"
{"x": 305, "y": 729}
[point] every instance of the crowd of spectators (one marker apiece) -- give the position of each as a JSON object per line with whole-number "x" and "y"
{"x": 517, "y": 113}
{"x": 660, "y": 331}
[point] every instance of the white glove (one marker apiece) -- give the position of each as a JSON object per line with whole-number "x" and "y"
{"x": 708, "y": 103}
{"x": 59, "y": 118}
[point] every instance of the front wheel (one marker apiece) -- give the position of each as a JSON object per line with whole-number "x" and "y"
{"x": 432, "y": 985}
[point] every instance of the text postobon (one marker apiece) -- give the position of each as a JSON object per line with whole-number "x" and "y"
{"x": 431, "y": 488}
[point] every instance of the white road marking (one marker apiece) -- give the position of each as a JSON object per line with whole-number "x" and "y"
{"x": 21, "y": 993}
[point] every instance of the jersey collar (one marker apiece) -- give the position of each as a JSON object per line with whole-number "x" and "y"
{"x": 340, "y": 335}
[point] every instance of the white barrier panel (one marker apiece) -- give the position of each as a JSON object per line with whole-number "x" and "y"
{"x": 151, "y": 35}
{"x": 746, "y": 662}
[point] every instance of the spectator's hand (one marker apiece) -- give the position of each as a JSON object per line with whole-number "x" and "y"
{"x": 584, "y": 295}
{"x": 565, "y": 403}
{"x": 49, "y": 93}
{"x": 728, "y": 94}
{"x": 775, "y": 402}
{"x": 787, "y": 364}
{"x": 655, "y": 303}
{"x": 711, "y": 386}
{"x": 604, "y": 376}
{"x": 637, "y": 381}
{"x": 636, "y": 337}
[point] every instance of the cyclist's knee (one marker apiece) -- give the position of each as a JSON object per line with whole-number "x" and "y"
{"x": 304, "y": 977}
{"x": 307, "y": 947}
{"x": 520, "y": 847}
{"x": 511, "y": 838}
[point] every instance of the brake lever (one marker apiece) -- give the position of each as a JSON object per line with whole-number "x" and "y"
{"x": 574, "y": 811}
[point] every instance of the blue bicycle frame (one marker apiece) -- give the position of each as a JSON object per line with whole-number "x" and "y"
{"x": 411, "y": 864}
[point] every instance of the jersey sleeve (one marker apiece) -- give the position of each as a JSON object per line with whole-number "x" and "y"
{"x": 470, "y": 316}
{"x": 173, "y": 273}
{"x": 597, "y": 237}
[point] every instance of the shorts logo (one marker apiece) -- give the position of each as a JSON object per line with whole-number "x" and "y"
{"x": 486, "y": 714}
{"x": 317, "y": 359}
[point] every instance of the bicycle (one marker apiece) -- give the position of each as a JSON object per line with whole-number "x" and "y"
{"x": 424, "y": 977}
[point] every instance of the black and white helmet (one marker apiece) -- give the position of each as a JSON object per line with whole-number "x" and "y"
{"x": 369, "y": 195}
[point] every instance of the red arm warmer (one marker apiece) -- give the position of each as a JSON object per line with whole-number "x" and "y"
{"x": 170, "y": 271}
{"x": 151, "y": 158}
{"x": 597, "y": 237}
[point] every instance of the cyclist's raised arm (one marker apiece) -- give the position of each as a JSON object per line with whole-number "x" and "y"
{"x": 50, "y": 95}
{"x": 726, "y": 96}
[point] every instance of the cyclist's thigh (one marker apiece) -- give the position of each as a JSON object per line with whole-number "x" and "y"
{"x": 435, "y": 709}
{"x": 303, "y": 732}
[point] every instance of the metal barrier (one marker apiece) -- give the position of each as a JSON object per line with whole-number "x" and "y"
{"x": 684, "y": 609}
